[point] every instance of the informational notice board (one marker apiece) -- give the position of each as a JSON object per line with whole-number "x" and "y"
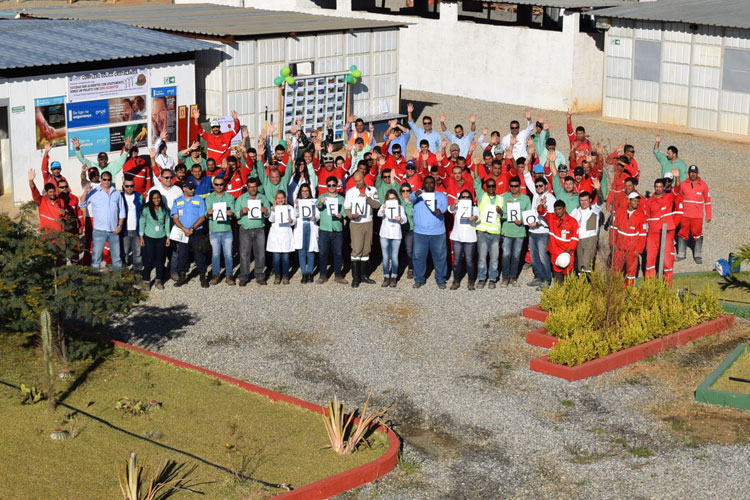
{"x": 314, "y": 98}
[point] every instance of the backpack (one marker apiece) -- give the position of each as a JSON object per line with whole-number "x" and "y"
{"x": 725, "y": 267}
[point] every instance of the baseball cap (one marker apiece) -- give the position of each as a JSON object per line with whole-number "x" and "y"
{"x": 190, "y": 183}
{"x": 56, "y": 164}
{"x": 411, "y": 164}
{"x": 562, "y": 168}
{"x": 634, "y": 194}
{"x": 669, "y": 175}
{"x": 538, "y": 168}
{"x": 455, "y": 147}
{"x": 327, "y": 159}
{"x": 693, "y": 168}
{"x": 551, "y": 142}
{"x": 578, "y": 171}
{"x": 215, "y": 123}
{"x": 93, "y": 170}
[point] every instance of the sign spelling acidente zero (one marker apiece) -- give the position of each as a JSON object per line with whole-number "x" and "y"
{"x": 429, "y": 200}
{"x": 253, "y": 209}
{"x": 220, "y": 212}
{"x": 105, "y": 84}
{"x": 306, "y": 209}
{"x": 513, "y": 211}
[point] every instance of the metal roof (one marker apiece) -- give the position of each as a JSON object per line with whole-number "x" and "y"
{"x": 566, "y": 4}
{"x": 211, "y": 20}
{"x": 27, "y": 43}
{"x": 726, "y": 13}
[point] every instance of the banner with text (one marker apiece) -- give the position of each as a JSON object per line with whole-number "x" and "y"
{"x": 106, "y": 84}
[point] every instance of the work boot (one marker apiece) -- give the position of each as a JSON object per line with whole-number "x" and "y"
{"x": 470, "y": 286}
{"x": 181, "y": 280}
{"x": 393, "y": 282}
{"x": 364, "y": 276}
{"x": 304, "y": 279}
{"x": 455, "y": 285}
{"x": 230, "y": 281}
{"x": 492, "y": 284}
{"x": 276, "y": 279}
{"x": 261, "y": 281}
{"x": 505, "y": 282}
{"x": 698, "y": 250}
{"x": 159, "y": 285}
{"x": 410, "y": 274}
{"x": 682, "y": 248}
{"x": 322, "y": 279}
{"x": 214, "y": 280}
{"x": 535, "y": 282}
{"x": 204, "y": 280}
{"x": 341, "y": 279}
{"x": 514, "y": 282}
{"x": 356, "y": 270}
{"x": 146, "y": 285}
{"x": 285, "y": 280}
{"x": 175, "y": 277}
{"x": 481, "y": 283}
{"x": 243, "y": 283}
{"x": 386, "y": 282}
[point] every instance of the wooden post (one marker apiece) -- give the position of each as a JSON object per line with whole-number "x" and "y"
{"x": 662, "y": 248}
{"x": 281, "y": 118}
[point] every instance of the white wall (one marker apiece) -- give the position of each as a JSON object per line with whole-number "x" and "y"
{"x": 24, "y": 154}
{"x": 519, "y": 65}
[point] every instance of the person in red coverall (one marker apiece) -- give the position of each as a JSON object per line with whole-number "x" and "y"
{"x": 138, "y": 170}
{"x": 51, "y": 207}
{"x": 580, "y": 145}
{"x": 217, "y": 143}
{"x": 662, "y": 208}
{"x": 563, "y": 232}
{"x": 51, "y": 173}
{"x": 628, "y": 234}
{"x": 695, "y": 197}
{"x": 628, "y": 152}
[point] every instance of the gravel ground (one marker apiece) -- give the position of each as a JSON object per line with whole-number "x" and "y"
{"x": 475, "y": 421}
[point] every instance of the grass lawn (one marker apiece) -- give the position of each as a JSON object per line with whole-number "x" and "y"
{"x": 735, "y": 295}
{"x": 226, "y": 425}
{"x": 739, "y": 369}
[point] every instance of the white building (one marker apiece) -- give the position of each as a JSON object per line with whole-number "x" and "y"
{"x": 59, "y": 80}
{"x": 679, "y": 62}
{"x": 252, "y": 46}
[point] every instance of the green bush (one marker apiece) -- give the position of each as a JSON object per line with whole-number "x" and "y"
{"x": 636, "y": 315}
{"x": 574, "y": 289}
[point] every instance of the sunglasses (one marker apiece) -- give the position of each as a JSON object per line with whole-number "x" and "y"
{"x": 514, "y": 128}
{"x": 218, "y": 183}
{"x": 106, "y": 179}
{"x": 427, "y": 123}
{"x": 62, "y": 187}
{"x": 128, "y": 185}
{"x": 406, "y": 190}
{"x": 332, "y": 185}
{"x": 515, "y": 185}
{"x": 491, "y": 185}
{"x": 190, "y": 187}
{"x": 539, "y": 185}
{"x": 166, "y": 176}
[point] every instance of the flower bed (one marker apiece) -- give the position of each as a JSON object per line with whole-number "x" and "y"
{"x": 706, "y": 392}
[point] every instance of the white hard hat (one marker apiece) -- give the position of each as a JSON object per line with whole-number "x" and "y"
{"x": 215, "y": 123}
{"x": 563, "y": 260}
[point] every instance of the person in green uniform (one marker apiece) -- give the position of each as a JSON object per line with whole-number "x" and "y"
{"x": 251, "y": 209}
{"x": 331, "y": 235}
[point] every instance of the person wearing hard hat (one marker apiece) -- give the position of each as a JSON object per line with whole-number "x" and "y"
{"x": 217, "y": 143}
{"x": 629, "y": 230}
{"x": 563, "y": 232}
{"x": 51, "y": 171}
{"x": 695, "y": 197}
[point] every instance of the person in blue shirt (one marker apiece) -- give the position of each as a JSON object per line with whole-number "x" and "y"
{"x": 429, "y": 233}
{"x": 105, "y": 205}
{"x": 402, "y": 134}
{"x": 463, "y": 141}
{"x": 431, "y": 136}
{"x": 201, "y": 180}
{"x": 189, "y": 214}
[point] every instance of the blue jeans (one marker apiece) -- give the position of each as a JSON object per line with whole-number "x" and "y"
{"x": 221, "y": 242}
{"x": 101, "y": 238}
{"x": 331, "y": 241}
{"x": 281, "y": 263}
{"x": 389, "y": 248}
{"x": 488, "y": 243}
{"x": 434, "y": 244}
{"x": 306, "y": 258}
{"x": 463, "y": 261}
{"x": 538, "y": 244}
{"x": 511, "y": 256}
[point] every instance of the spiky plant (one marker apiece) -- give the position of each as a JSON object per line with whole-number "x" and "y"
{"x": 170, "y": 477}
{"x": 343, "y": 437}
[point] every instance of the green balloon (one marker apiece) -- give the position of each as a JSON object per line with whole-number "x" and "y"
{"x": 289, "y": 80}
{"x": 278, "y": 80}
{"x": 350, "y": 79}
{"x": 353, "y": 68}
{"x": 285, "y": 71}
{"x": 356, "y": 73}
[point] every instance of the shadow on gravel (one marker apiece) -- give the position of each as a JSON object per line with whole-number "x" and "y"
{"x": 151, "y": 327}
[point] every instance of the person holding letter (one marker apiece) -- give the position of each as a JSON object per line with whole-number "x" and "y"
{"x": 488, "y": 230}
{"x": 539, "y": 232}
{"x": 513, "y": 230}
{"x": 252, "y": 208}
{"x": 393, "y": 215}
{"x": 306, "y": 231}
{"x": 464, "y": 238}
{"x": 331, "y": 234}
{"x": 189, "y": 214}
{"x": 281, "y": 237}
{"x": 429, "y": 233}
{"x": 219, "y": 206}
{"x": 359, "y": 203}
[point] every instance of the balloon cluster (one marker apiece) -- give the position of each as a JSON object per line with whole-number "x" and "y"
{"x": 284, "y": 76}
{"x": 354, "y": 73}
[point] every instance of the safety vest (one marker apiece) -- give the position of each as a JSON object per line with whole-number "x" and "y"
{"x": 485, "y": 205}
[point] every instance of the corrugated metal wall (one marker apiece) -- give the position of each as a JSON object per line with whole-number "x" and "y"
{"x": 244, "y": 72}
{"x": 686, "y": 88}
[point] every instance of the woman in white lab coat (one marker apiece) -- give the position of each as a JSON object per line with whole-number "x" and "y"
{"x": 280, "y": 240}
{"x": 393, "y": 215}
{"x": 306, "y": 231}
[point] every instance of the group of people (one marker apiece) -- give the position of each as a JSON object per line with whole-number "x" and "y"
{"x": 484, "y": 205}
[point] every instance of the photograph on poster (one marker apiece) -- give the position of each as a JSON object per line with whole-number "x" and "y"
{"x": 127, "y": 109}
{"x": 137, "y": 132}
{"x": 164, "y": 113}
{"x": 50, "y": 121}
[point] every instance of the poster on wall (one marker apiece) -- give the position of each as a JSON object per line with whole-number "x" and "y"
{"x": 104, "y": 111}
{"x": 106, "y": 84}
{"x": 137, "y": 132}
{"x": 226, "y": 123}
{"x": 164, "y": 113}
{"x": 109, "y": 139}
{"x": 50, "y": 121}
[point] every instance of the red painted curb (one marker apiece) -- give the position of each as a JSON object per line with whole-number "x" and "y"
{"x": 632, "y": 354}
{"x": 539, "y": 338}
{"x": 319, "y": 490}
{"x": 535, "y": 313}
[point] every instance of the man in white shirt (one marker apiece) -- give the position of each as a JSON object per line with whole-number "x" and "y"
{"x": 519, "y": 148}
{"x": 539, "y": 230}
{"x": 587, "y": 215}
{"x": 129, "y": 237}
{"x": 359, "y": 204}
{"x": 169, "y": 193}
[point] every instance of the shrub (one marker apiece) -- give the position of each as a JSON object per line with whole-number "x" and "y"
{"x": 575, "y": 289}
{"x": 565, "y": 321}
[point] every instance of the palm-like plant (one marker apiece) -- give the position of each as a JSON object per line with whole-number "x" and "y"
{"x": 170, "y": 477}
{"x": 345, "y": 440}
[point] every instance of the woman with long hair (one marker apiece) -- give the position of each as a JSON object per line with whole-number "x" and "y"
{"x": 280, "y": 241}
{"x": 464, "y": 238}
{"x": 154, "y": 225}
{"x": 306, "y": 232}
{"x": 303, "y": 174}
{"x": 393, "y": 215}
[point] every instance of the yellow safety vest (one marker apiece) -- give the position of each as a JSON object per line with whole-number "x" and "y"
{"x": 485, "y": 205}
